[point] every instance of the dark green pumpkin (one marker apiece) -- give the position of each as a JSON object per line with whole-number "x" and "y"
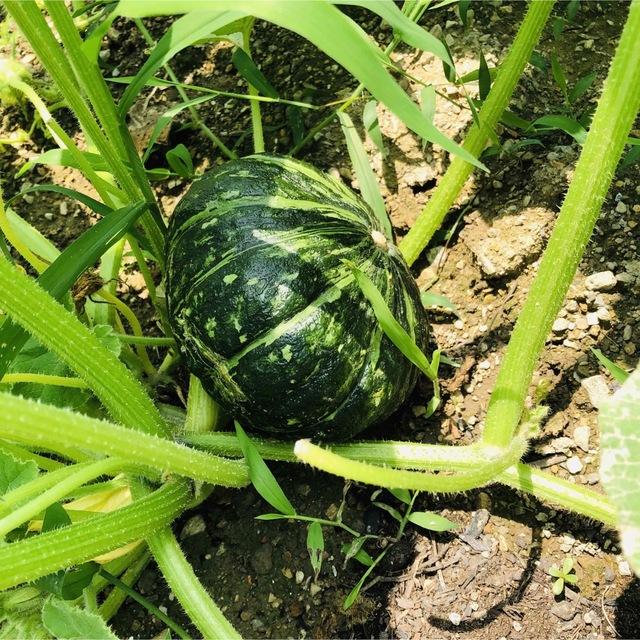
{"x": 267, "y": 314}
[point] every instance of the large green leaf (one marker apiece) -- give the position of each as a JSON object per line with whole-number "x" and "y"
{"x": 620, "y": 462}
{"x": 329, "y": 29}
{"x": 66, "y": 621}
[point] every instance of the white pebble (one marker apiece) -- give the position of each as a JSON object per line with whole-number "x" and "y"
{"x": 581, "y": 437}
{"x": 455, "y": 618}
{"x": 560, "y": 325}
{"x": 574, "y": 465}
{"x": 596, "y": 388}
{"x": 602, "y": 281}
{"x": 624, "y": 568}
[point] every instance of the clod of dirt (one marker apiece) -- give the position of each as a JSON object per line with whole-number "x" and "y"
{"x": 499, "y": 251}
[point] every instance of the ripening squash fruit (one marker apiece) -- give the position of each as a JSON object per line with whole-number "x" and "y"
{"x": 267, "y": 314}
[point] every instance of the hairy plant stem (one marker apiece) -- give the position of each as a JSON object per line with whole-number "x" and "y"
{"x": 405, "y": 455}
{"x": 60, "y": 331}
{"x": 34, "y": 557}
{"x": 184, "y": 583}
{"x": 451, "y": 184}
{"x": 47, "y": 426}
{"x": 617, "y": 108}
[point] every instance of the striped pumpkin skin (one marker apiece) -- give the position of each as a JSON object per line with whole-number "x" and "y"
{"x": 267, "y": 314}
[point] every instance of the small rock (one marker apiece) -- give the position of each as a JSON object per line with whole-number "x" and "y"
{"x": 455, "y": 618}
{"x": 601, "y": 281}
{"x": 624, "y": 568}
{"x": 621, "y": 207}
{"x": 592, "y": 319}
{"x": 405, "y": 603}
{"x": 604, "y": 315}
{"x": 574, "y": 465}
{"x": 193, "y": 526}
{"x": 592, "y": 618}
{"x": 609, "y": 574}
{"x": 627, "y": 333}
{"x": 262, "y": 559}
{"x": 581, "y": 437}
{"x": 597, "y": 389}
{"x": 299, "y": 577}
{"x": 560, "y": 325}
{"x": 564, "y": 610}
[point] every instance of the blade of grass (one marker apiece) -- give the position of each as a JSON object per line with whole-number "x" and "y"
{"x": 261, "y": 477}
{"x": 330, "y": 30}
{"x": 366, "y": 178}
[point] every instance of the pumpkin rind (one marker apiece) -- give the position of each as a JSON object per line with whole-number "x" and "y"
{"x": 267, "y": 314}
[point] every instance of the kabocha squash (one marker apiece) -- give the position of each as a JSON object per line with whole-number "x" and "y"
{"x": 269, "y": 316}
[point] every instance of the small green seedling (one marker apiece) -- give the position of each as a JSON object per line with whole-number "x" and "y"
{"x": 562, "y": 575}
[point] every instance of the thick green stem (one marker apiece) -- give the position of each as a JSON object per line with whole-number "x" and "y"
{"x": 35, "y": 423}
{"x": 191, "y": 594}
{"x": 392, "y": 478}
{"x": 62, "y": 333}
{"x": 568, "y": 495}
{"x": 508, "y": 76}
{"x": 405, "y": 455}
{"x": 34, "y": 557}
{"x": 203, "y": 413}
{"x": 617, "y": 108}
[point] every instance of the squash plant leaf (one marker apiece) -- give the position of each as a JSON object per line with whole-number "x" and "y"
{"x": 620, "y": 462}
{"x": 68, "y": 621}
{"x": 261, "y": 477}
{"x": 14, "y": 473}
{"x": 66, "y": 583}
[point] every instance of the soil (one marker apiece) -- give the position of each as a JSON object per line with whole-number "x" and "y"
{"x": 489, "y": 578}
